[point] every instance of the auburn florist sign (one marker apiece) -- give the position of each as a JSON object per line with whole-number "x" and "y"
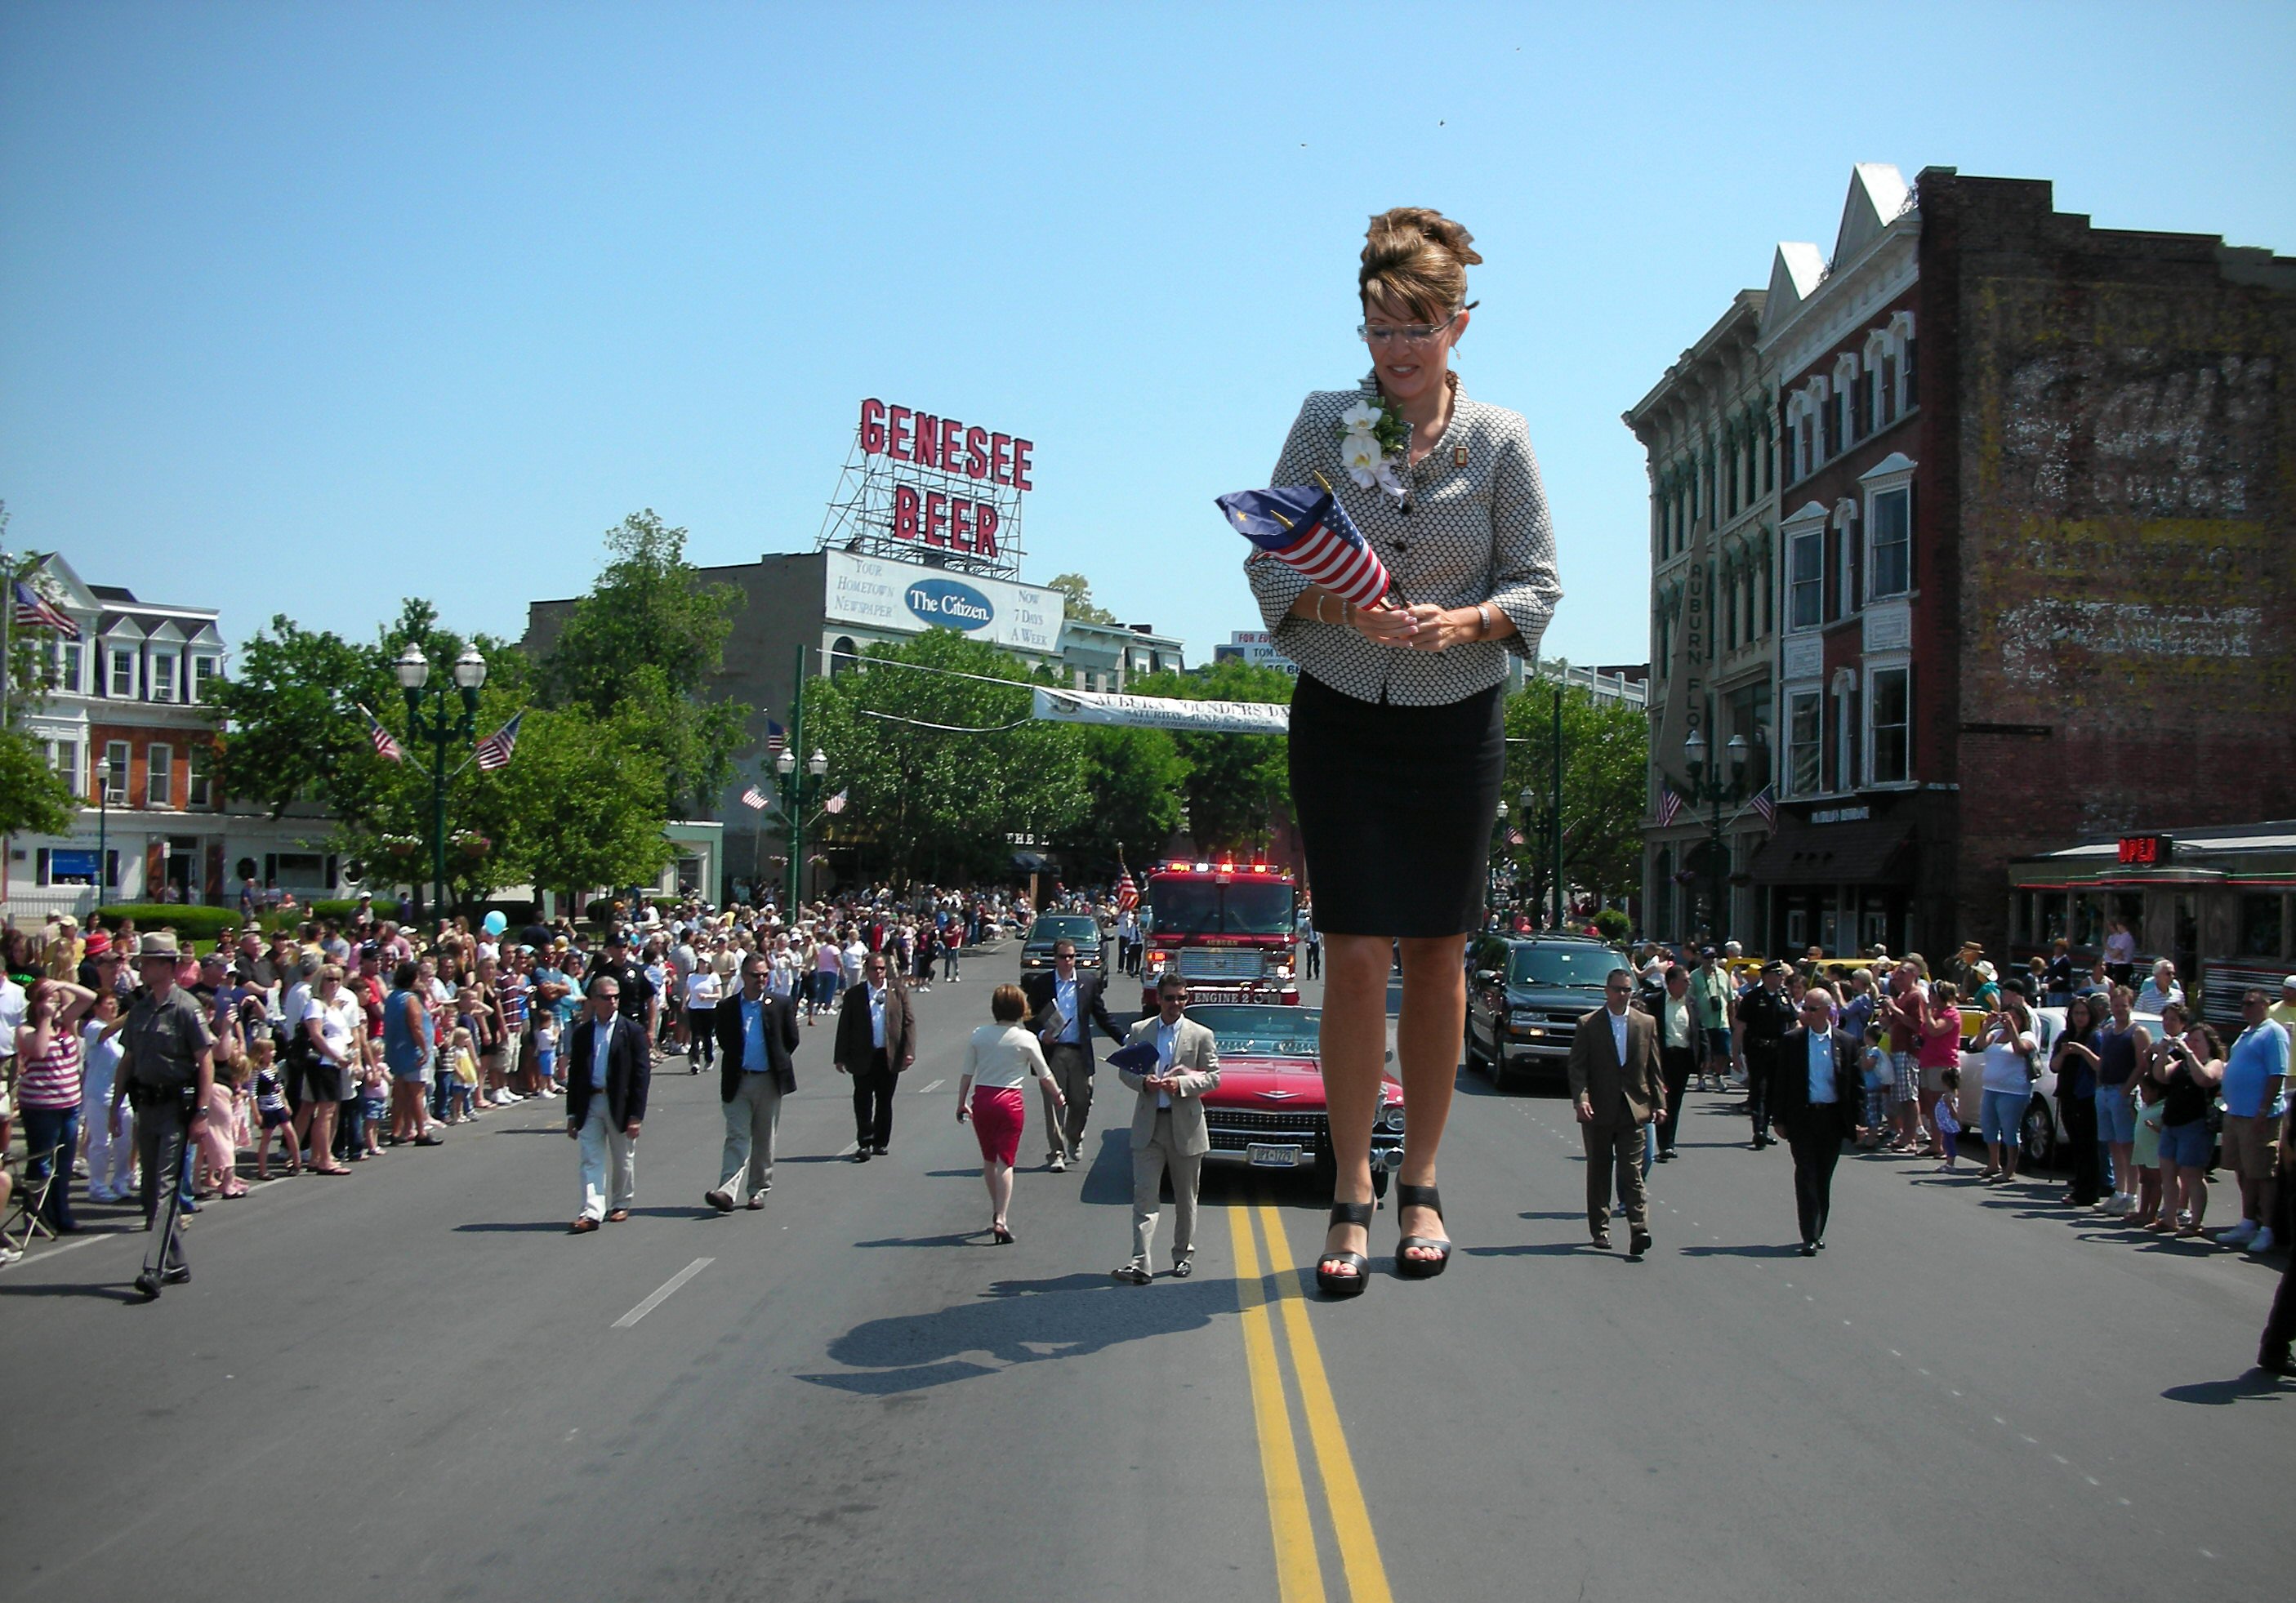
{"x": 962, "y": 515}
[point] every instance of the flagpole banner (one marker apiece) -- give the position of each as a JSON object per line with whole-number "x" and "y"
{"x": 1163, "y": 712}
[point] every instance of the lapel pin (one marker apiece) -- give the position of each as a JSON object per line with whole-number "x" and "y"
{"x": 1458, "y": 456}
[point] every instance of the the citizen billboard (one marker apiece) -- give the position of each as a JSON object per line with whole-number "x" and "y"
{"x": 902, "y": 598}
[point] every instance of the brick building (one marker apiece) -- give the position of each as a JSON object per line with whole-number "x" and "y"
{"x": 2035, "y": 577}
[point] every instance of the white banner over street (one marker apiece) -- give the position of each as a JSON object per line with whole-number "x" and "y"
{"x": 1164, "y": 712}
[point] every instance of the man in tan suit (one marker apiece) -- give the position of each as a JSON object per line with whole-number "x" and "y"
{"x": 1168, "y": 1124}
{"x": 1618, "y": 1088}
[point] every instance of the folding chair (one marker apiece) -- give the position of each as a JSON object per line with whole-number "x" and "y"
{"x": 28, "y": 1203}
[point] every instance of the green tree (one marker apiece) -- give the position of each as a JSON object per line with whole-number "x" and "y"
{"x": 293, "y": 724}
{"x": 1235, "y": 784}
{"x": 34, "y": 797}
{"x": 579, "y": 803}
{"x": 937, "y": 803}
{"x": 1606, "y": 756}
{"x": 644, "y": 644}
{"x": 1135, "y": 779}
{"x": 1079, "y": 590}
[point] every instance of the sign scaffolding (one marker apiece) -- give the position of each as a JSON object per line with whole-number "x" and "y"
{"x": 920, "y": 488}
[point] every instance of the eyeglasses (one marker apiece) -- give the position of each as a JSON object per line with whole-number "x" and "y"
{"x": 1409, "y": 333}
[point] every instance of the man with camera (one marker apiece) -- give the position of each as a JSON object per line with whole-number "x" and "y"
{"x": 167, "y": 1068}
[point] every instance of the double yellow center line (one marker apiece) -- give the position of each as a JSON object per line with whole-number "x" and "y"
{"x": 1298, "y": 1568}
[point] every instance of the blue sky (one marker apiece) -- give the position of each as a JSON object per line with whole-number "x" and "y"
{"x": 304, "y": 308}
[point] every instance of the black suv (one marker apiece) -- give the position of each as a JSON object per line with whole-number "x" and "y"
{"x": 1526, "y": 998}
{"x": 1050, "y": 930}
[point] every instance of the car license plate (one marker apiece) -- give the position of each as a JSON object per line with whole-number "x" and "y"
{"x": 1273, "y": 1157}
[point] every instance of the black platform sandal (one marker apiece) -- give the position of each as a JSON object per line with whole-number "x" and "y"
{"x": 1406, "y": 1265}
{"x": 1345, "y": 1285}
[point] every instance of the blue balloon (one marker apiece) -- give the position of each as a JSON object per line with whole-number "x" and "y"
{"x": 496, "y": 923}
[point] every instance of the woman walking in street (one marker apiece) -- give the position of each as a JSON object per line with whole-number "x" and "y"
{"x": 998, "y": 1059}
{"x": 1397, "y": 741}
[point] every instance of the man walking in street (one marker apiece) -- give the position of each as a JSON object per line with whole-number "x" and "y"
{"x": 1064, "y": 1006}
{"x": 876, "y": 1040}
{"x": 1765, "y": 1014}
{"x": 1678, "y": 1046}
{"x": 757, "y": 1032}
{"x": 1715, "y": 1002}
{"x": 1817, "y": 1091}
{"x": 1169, "y": 1134}
{"x": 610, "y": 1067}
{"x": 1616, "y": 1088}
{"x": 167, "y": 1067}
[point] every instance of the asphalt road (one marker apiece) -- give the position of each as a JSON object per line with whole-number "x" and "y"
{"x": 415, "y": 1384}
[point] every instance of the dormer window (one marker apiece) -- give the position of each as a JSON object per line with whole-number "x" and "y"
{"x": 163, "y": 675}
{"x": 122, "y": 687}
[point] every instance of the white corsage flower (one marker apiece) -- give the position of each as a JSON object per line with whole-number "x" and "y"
{"x": 1360, "y": 455}
{"x": 1360, "y": 419}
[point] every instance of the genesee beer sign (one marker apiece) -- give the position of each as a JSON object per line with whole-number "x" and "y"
{"x": 950, "y": 448}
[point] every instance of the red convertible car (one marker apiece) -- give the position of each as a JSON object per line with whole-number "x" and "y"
{"x": 1268, "y": 1112}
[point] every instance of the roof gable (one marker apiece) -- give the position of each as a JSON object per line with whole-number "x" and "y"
{"x": 1878, "y": 192}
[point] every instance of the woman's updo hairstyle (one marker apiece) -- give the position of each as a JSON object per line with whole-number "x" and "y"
{"x": 1416, "y": 258}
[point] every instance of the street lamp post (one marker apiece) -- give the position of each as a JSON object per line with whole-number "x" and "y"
{"x": 1710, "y": 789}
{"x": 102, "y": 826}
{"x": 797, "y": 794}
{"x": 413, "y": 671}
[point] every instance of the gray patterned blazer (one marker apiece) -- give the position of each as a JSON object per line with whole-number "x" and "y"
{"x": 1473, "y": 529}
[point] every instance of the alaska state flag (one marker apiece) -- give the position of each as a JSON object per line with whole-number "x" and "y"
{"x": 1310, "y": 529}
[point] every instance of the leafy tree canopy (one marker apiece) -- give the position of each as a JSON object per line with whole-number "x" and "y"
{"x": 1079, "y": 590}
{"x": 1605, "y": 756}
{"x": 1235, "y": 784}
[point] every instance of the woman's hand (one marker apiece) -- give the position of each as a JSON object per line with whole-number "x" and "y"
{"x": 1387, "y": 625}
{"x": 1440, "y": 628}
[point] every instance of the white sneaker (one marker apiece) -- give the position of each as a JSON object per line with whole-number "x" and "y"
{"x": 2261, "y": 1241}
{"x": 2238, "y": 1235}
{"x": 508, "y": 1096}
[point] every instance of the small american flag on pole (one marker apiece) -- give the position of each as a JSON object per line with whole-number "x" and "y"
{"x": 386, "y": 744}
{"x": 1765, "y": 803}
{"x": 36, "y": 611}
{"x": 776, "y": 737}
{"x": 1127, "y": 893}
{"x": 1669, "y": 806}
{"x": 494, "y": 751}
{"x": 751, "y": 798}
{"x": 1308, "y": 528}
{"x": 1514, "y": 838}
{"x": 835, "y": 803}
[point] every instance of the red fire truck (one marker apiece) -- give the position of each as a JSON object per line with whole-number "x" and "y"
{"x": 1229, "y": 928}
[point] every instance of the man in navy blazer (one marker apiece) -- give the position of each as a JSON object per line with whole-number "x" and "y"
{"x": 1817, "y": 1092}
{"x": 609, "y": 1068}
{"x": 757, "y": 1031}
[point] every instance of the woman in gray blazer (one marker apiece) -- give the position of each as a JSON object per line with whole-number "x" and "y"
{"x": 1397, "y": 744}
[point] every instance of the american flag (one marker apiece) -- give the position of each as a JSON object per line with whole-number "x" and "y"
{"x": 776, "y": 737}
{"x": 753, "y": 797}
{"x": 1514, "y": 838}
{"x": 36, "y": 611}
{"x": 1669, "y": 806}
{"x": 835, "y": 803}
{"x": 1308, "y": 528}
{"x": 386, "y": 744}
{"x": 494, "y": 751}
{"x": 1765, "y": 803}
{"x": 1127, "y": 893}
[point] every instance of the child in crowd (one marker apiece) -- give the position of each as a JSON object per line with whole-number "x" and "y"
{"x": 374, "y": 1107}
{"x": 217, "y": 1173}
{"x": 110, "y": 1161}
{"x": 1948, "y": 1124}
{"x": 1880, "y": 1076}
{"x": 545, "y": 1052}
{"x": 272, "y": 1118}
{"x": 2151, "y": 1104}
{"x": 462, "y": 1075}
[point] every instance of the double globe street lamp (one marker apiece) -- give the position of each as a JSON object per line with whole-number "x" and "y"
{"x": 413, "y": 672}
{"x": 1706, "y": 787}
{"x": 796, "y": 795}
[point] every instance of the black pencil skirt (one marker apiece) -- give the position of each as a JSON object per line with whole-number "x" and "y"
{"x": 1396, "y": 805}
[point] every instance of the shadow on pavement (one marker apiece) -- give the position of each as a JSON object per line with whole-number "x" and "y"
{"x": 1016, "y": 1323}
{"x": 955, "y": 1238}
{"x": 493, "y": 1227}
{"x": 1764, "y": 1249}
{"x": 1108, "y": 1171}
{"x": 105, "y": 1294}
{"x": 2217, "y": 1393}
{"x": 1533, "y": 1249}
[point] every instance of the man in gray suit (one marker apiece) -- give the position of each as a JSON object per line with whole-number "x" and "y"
{"x": 1168, "y": 1124}
{"x": 1618, "y": 1088}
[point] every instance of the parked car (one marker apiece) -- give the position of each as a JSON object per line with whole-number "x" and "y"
{"x": 1525, "y": 1000}
{"x": 1053, "y": 927}
{"x": 1269, "y": 1110}
{"x": 2044, "y": 1129}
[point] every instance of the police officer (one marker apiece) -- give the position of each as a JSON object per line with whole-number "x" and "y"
{"x": 167, "y": 1067}
{"x": 1765, "y": 1014}
{"x": 638, "y": 991}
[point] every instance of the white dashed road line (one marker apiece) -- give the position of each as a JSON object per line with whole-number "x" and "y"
{"x": 662, "y": 1295}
